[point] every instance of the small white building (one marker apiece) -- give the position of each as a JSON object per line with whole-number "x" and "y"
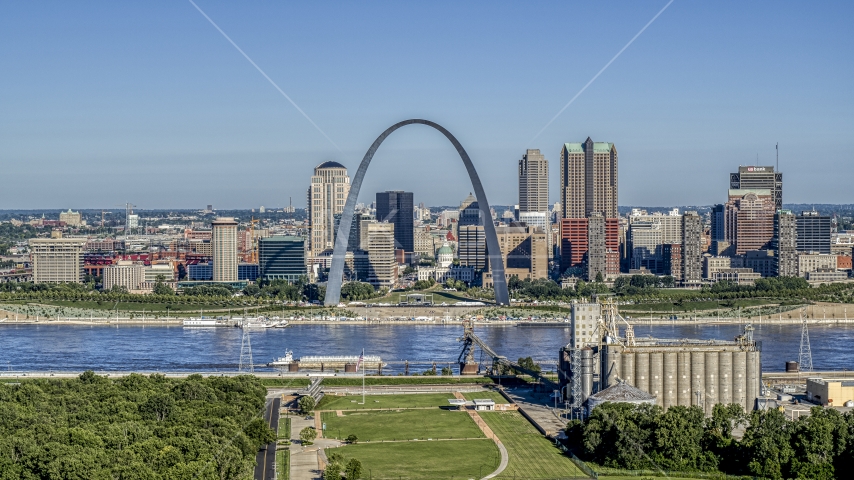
{"x": 484, "y": 404}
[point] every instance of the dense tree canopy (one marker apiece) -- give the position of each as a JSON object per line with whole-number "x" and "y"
{"x": 135, "y": 427}
{"x": 635, "y": 437}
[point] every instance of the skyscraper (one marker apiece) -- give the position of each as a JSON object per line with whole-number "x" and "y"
{"x": 382, "y": 266}
{"x": 533, "y": 182}
{"x": 396, "y": 207}
{"x": 759, "y": 178}
{"x": 224, "y": 245}
{"x": 692, "y": 249}
{"x": 785, "y": 244}
{"x": 749, "y": 219}
{"x": 57, "y": 260}
{"x": 588, "y": 179}
{"x": 327, "y": 195}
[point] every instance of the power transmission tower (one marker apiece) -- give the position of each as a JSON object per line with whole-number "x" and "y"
{"x": 805, "y": 355}
{"x": 246, "y": 354}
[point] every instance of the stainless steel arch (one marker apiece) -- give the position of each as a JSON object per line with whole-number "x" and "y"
{"x": 336, "y": 272}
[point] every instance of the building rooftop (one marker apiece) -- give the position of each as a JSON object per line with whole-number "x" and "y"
{"x": 330, "y": 164}
{"x": 598, "y": 147}
{"x": 622, "y": 392}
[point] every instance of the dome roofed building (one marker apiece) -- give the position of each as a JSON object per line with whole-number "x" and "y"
{"x": 445, "y": 256}
{"x": 620, "y": 393}
{"x": 330, "y": 164}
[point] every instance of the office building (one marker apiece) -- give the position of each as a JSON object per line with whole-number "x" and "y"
{"x": 814, "y": 233}
{"x": 523, "y": 251}
{"x": 162, "y": 272}
{"x": 542, "y": 221}
{"x": 471, "y": 247}
{"x": 588, "y": 179}
{"x": 737, "y": 276}
{"x": 327, "y": 195}
{"x": 357, "y": 236}
{"x": 815, "y": 262}
{"x": 200, "y": 272}
{"x": 396, "y": 207}
{"x": 282, "y": 258}
{"x": 759, "y": 178}
{"x": 533, "y": 182}
{"x": 785, "y": 244}
{"x": 57, "y": 260}
{"x": 692, "y": 249}
{"x": 382, "y": 266}
{"x": 469, "y": 212}
{"x": 713, "y": 265}
{"x": 718, "y": 230}
{"x": 763, "y": 262}
{"x": 124, "y": 273}
{"x": 647, "y": 236}
{"x": 248, "y": 271}
{"x": 224, "y": 249}
{"x": 749, "y": 219}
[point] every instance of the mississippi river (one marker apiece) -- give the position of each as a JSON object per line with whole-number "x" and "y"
{"x": 178, "y": 349}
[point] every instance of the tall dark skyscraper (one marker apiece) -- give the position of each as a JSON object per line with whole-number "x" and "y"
{"x": 396, "y": 207}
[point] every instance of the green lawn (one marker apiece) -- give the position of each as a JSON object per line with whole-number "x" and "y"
{"x": 447, "y": 459}
{"x": 284, "y": 428}
{"x": 439, "y": 296}
{"x": 531, "y": 455}
{"x": 486, "y": 394}
{"x": 351, "y": 402}
{"x": 401, "y": 425}
{"x": 283, "y": 469}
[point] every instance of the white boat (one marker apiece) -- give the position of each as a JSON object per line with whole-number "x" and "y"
{"x": 283, "y": 361}
{"x": 198, "y": 322}
{"x": 339, "y": 361}
{"x": 261, "y": 322}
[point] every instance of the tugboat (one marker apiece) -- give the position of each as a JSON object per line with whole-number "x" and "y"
{"x": 283, "y": 361}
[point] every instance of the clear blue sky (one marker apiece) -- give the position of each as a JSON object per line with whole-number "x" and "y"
{"x": 107, "y": 102}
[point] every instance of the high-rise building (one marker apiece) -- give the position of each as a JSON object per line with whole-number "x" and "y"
{"x": 224, "y": 246}
{"x": 759, "y": 178}
{"x": 533, "y": 182}
{"x": 471, "y": 247}
{"x": 396, "y": 207}
{"x": 573, "y": 246}
{"x": 672, "y": 260}
{"x": 282, "y": 257}
{"x": 327, "y": 195}
{"x": 57, "y": 260}
{"x": 603, "y": 254}
{"x": 124, "y": 273}
{"x": 588, "y": 179}
{"x": 786, "y": 244}
{"x": 814, "y": 232}
{"x": 749, "y": 218}
{"x": 718, "y": 230}
{"x": 469, "y": 212}
{"x": 382, "y": 266}
{"x": 356, "y": 234}
{"x": 692, "y": 249}
{"x": 648, "y": 233}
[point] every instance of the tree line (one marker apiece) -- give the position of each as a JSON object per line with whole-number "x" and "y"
{"x": 645, "y": 437}
{"x": 132, "y": 428}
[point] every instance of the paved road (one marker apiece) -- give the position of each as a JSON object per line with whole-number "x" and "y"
{"x": 265, "y": 460}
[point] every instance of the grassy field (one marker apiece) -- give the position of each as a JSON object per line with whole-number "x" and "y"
{"x": 531, "y": 455}
{"x": 448, "y": 459}
{"x": 486, "y": 394}
{"x": 284, "y": 428}
{"x": 357, "y": 381}
{"x": 401, "y": 425}
{"x": 351, "y": 402}
{"x": 439, "y": 296}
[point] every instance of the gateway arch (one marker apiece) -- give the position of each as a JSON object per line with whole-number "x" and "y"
{"x": 496, "y": 264}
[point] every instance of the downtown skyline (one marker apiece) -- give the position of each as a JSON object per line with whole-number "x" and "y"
{"x": 152, "y": 105}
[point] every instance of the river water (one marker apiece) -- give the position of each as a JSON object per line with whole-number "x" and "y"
{"x": 178, "y": 349}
